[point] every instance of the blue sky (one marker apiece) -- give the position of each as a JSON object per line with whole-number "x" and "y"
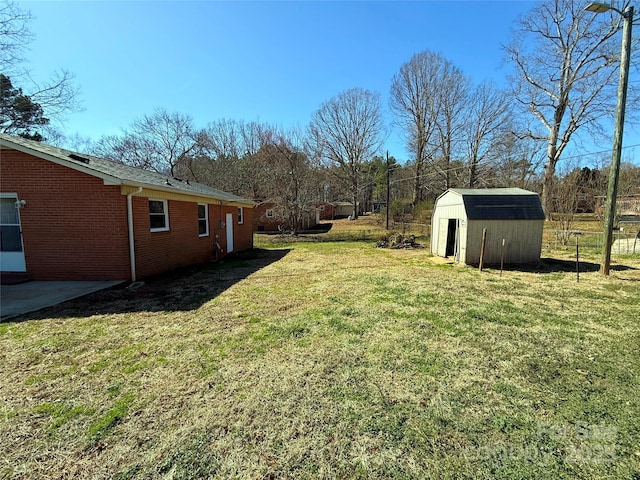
{"x": 269, "y": 61}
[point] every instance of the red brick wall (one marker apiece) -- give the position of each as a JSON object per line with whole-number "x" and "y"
{"x": 263, "y": 223}
{"x": 329, "y": 211}
{"x": 157, "y": 252}
{"x": 242, "y": 234}
{"x": 73, "y": 226}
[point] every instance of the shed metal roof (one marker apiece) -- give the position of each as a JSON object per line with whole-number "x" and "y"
{"x": 114, "y": 173}
{"x": 500, "y": 204}
{"x": 491, "y": 191}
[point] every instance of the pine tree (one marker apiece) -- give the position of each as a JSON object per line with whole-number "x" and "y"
{"x": 19, "y": 114}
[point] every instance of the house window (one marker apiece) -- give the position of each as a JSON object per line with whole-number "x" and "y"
{"x": 240, "y": 216}
{"x": 269, "y": 212}
{"x": 158, "y": 215}
{"x": 203, "y": 220}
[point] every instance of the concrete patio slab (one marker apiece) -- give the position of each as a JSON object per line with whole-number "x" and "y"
{"x": 31, "y": 296}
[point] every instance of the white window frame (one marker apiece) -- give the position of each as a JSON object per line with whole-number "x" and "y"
{"x": 269, "y": 212}
{"x": 165, "y": 211}
{"x": 14, "y": 197}
{"x": 206, "y": 219}
{"x": 240, "y": 215}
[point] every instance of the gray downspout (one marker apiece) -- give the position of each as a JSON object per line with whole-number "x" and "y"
{"x": 132, "y": 246}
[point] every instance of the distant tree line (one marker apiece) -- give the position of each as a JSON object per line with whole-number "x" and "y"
{"x": 457, "y": 133}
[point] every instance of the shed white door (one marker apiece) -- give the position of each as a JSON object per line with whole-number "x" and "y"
{"x": 229, "y": 223}
{"x": 11, "y": 251}
{"x": 443, "y": 229}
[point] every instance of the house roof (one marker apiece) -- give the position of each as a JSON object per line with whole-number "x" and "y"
{"x": 500, "y": 204}
{"x": 115, "y": 173}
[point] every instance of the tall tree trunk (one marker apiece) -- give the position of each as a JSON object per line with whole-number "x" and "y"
{"x": 418, "y": 194}
{"x": 355, "y": 197}
{"x": 548, "y": 178}
{"x": 355, "y": 207}
{"x": 447, "y": 158}
{"x": 472, "y": 174}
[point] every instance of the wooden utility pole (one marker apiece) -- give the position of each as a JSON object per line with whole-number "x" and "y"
{"x": 614, "y": 170}
{"x": 388, "y": 189}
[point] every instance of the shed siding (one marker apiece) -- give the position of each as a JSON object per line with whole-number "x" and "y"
{"x": 523, "y": 241}
{"x": 523, "y": 237}
{"x": 449, "y": 206}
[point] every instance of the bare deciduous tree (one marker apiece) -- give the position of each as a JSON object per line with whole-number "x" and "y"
{"x": 15, "y": 35}
{"x": 347, "y": 130}
{"x": 219, "y": 157}
{"x": 519, "y": 161}
{"x": 487, "y": 113}
{"x": 566, "y": 67}
{"x": 452, "y": 99}
{"x": 413, "y": 101}
{"x": 428, "y": 97}
{"x": 629, "y": 179}
{"x": 157, "y": 142}
{"x": 223, "y": 139}
{"x": 292, "y": 180}
{"x": 260, "y": 161}
{"x": 53, "y": 99}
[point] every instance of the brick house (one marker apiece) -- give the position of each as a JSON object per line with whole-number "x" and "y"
{"x": 326, "y": 210}
{"x": 271, "y": 217}
{"x": 267, "y": 217}
{"x": 70, "y": 216}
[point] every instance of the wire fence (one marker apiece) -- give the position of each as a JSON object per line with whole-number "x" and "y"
{"x": 624, "y": 242}
{"x": 423, "y": 229}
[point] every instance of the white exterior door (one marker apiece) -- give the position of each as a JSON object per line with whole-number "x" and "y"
{"x": 229, "y": 223}
{"x": 11, "y": 250}
{"x": 443, "y": 226}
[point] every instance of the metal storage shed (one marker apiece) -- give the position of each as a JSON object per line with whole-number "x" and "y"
{"x": 512, "y": 214}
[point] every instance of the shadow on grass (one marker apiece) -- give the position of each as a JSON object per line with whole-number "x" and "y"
{"x": 180, "y": 290}
{"x": 319, "y": 228}
{"x": 553, "y": 265}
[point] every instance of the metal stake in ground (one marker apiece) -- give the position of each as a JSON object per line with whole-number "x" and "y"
{"x": 484, "y": 241}
{"x": 502, "y": 257}
{"x": 577, "y": 234}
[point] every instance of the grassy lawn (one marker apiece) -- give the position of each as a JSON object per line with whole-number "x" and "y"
{"x": 331, "y": 359}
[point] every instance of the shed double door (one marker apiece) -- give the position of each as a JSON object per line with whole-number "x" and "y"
{"x": 449, "y": 238}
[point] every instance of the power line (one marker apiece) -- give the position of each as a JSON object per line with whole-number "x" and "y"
{"x": 496, "y": 161}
